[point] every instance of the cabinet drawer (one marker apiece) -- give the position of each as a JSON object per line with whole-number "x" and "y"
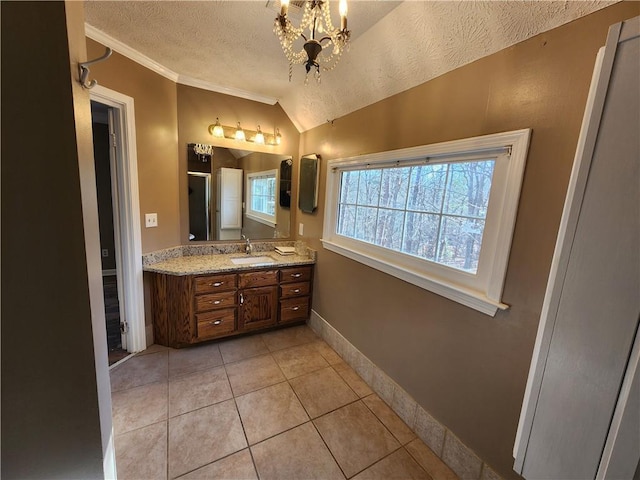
{"x": 295, "y": 274}
{"x": 260, "y": 278}
{"x": 294, "y": 289}
{"x": 215, "y": 300}
{"x": 216, "y": 323}
{"x": 294, "y": 309}
{"x": 215, "y": 283}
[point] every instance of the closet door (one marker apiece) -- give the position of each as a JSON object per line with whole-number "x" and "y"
{"x": 592, "y": 306}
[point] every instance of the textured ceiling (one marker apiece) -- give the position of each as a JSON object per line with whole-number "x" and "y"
{"x": 395, "y": 45}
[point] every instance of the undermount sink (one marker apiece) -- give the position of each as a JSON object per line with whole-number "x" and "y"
{"x": 252, "y": 260}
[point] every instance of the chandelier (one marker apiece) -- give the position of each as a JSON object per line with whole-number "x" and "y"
{"x": 321, "y": 36}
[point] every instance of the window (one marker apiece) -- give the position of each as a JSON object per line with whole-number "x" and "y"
{"x": 439, "y": 216}
{"x": 261, "y": 196}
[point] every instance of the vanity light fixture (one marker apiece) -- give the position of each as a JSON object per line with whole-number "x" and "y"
{"x": 241, "y": 135}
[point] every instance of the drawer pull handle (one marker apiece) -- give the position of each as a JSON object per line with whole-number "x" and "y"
{"x": 241, "y": 299}
{"x": 297, "y": 290}
{"x": 216, "y": 322}
{"x": 296, "y": 275}
{"x": 295, "y": 308}
{"x": 217, "y": 284}
{"x": 217, "y": 302}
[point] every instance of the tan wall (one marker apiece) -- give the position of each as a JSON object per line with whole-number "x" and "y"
{"x": 197, "y": 109}
{"x": 155, "y": 101}
{"x": 467, "y": 369}
{"x": 56, "y": 403}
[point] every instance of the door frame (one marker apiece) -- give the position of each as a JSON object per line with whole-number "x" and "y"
{"x": 127, "y": 215}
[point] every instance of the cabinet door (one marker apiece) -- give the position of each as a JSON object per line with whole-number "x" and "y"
{"x": 258, "y": 307}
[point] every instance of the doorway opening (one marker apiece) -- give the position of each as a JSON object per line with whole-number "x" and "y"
{"x": 103, "y": 153}
{"x": 119, "y": 220}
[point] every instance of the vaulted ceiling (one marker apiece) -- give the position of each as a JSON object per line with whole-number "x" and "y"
{"x": 229, "y": 46}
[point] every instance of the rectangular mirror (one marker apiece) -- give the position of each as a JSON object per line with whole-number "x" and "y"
{"x": 309, "y": 178}
{"x": 249, "y": 193}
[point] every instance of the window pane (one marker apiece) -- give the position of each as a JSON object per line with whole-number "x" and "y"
{"x": 369, "y": 187}
{"x": 347, "y": 220}
{"x": 366, "y": 224}
{"x": 349, "y": 187}
{"x": 460, "y": 242}
{"x": 426, "y": 188}
{"x": 468, "y": 188}
{"x": 421, "y": 233}
{"x": 394, "y": 187}
{"x": 389, "y": 228}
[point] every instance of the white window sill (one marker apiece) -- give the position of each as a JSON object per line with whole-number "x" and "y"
{"x": 471, "y": 298}
{"x": 261, "y": 220}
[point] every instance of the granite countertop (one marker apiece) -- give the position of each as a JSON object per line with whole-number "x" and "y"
{"x": 198, "y": 261}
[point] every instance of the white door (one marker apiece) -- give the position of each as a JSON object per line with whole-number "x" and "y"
{"x": 229, "y": 215}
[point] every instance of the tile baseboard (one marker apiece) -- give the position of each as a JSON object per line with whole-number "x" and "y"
{"x": 449, "y": 448}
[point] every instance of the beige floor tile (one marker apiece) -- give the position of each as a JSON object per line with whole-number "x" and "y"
{"x": 142, "y": 453}
{"x": 253, "y": 374}
{"x": 397, "y": 466}
{"x": 203, "y": 436}
{"x": 289, "y": 337}
{"x": 241, "y": 348}
{"x": 296, "y": 361}
{"x": 197, "y": 390}
{"x": 270, "y": 411}
{"x": 191, "y": 359}
{"x": 139, "y": 370}
{"x": 238, "y": 466}
{"x": 153, "y": 349}
{"x": 356, "y": 437}
{"x": 327, "y": 352}
{"x": 138, "y": 407}
{"x": 433, "y": 465}
{"x": 392, "y": 421}
{"x": 322, "y": 391}
{"x": 299, "y": 453}
{"x": 350, "y": 376}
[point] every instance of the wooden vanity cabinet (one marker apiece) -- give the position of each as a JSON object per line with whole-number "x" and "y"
{"x": 258, "y": 299}
{"x": 295, "y": 293}
{"x": 214, "y": 306}
{"x": 195, "y": 308}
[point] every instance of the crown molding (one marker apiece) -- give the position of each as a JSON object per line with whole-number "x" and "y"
{"x": 236, "y": 92}
{"x": 133, "y": 54}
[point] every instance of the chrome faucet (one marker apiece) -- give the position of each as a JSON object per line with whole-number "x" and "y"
{"x": 248, "y": 248}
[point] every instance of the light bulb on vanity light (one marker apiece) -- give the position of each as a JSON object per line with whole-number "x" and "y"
{"x": 278, "y": 136}
{"x": 259, "y": 138}
{"x": 240, "y": 133}
{"x": 217, "y": 130}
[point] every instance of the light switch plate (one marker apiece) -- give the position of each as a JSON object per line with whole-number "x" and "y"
{"x": 151, "y": 220}
{"x": 301, "y": 229}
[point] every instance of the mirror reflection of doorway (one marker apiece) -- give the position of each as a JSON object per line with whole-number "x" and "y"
{"x": 199, "y": 205}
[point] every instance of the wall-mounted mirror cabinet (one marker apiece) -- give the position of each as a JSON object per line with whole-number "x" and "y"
{"x": 309, "y": 178}
{"x": 235, "y": 192}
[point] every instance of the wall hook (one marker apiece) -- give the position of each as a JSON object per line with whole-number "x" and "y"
{"x": 84, "y": 69}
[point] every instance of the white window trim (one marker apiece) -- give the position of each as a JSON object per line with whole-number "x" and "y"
{"x": 481, "y": 292}
{"x": 269, "y": 220}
